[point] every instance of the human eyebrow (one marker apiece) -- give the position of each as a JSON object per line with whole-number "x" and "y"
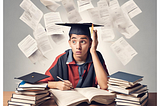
{"x": 73, "y": 38}
{"x": 83, "y": 38}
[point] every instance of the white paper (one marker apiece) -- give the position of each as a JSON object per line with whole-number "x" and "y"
{"x": 42, "y": 39}
{"x": 39, "y": 31}
{"x": 131, "y": 8}
{"x": 44, "y": 44}
{"x": 26, "y": 4}
{"x": 32, "y": 15}
{"x": 72, "y": 13}
{"x": 37, "y": 57}
{"x": 68, "y": 5}
{"x": 95, "y": 16}
{"x": 107, "y": 34}
{"x": 74, "y": 16}
{"x": 123, "y": 50}
{"x": 58, "y": 38}
{"x": 84, "y": 5}
{"x": 50, "y": 4}
{"x": 129, "y": 29}
{"x": 50, "y": 19}
{"x": 28, "y": 45}
{"x": 116, "y": 12}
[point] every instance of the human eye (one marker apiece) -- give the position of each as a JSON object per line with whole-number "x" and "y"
{"x": 73, "y": 41}
{"x": 83, "y": 42}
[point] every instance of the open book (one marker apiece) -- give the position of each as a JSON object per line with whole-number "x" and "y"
{"x": 79, "y": 95}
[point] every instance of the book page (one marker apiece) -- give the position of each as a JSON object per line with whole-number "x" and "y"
{"x": 28, "y": 45}
{"x": 131, "y": 8}
{"x": 50, "y": 19}
{"x": 84, "y": 5}
{"x": 123, "y": 50}
{"x": 50, "y": 4}
{"x": 96, "y": 94}
{"x": 32, "y": 15}
{"x": 67, "y": 97}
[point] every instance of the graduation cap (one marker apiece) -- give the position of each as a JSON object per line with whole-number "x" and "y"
{"x": 32, "y": 77}
{"x": 79, "y": 28}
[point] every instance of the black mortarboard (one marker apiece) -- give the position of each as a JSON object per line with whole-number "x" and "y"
{"x": 32, "y": 77}
{"x": 79, "y": 28}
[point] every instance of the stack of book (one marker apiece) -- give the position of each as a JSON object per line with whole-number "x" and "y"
{"x": 27, "y": 94}
{"x": 128, "y": 90}
{"x": 31, "y": 91}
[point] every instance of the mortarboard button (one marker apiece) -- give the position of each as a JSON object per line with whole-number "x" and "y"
{"x": 33, "y": 77}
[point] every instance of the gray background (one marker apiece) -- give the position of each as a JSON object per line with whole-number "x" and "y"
{"x": 144, "y": 42}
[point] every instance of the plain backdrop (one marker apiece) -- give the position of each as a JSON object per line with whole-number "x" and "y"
{"x": 15, "y": 63}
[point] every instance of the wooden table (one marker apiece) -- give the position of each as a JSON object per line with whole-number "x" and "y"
{"x": 152, "y": 100}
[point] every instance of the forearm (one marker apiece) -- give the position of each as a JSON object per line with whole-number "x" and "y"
{"x": 101, "y": 74}
{"x": 61, "y": 85}
{"x": 53, "y": 84}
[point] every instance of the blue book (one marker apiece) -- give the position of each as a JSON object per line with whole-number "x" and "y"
{"x": 123, "y": 76}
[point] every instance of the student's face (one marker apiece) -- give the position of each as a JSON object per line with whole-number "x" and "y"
{"x": 80, "y": 45}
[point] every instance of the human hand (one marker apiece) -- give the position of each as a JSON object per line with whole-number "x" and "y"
{"x": 94, "y": 42}
{"x": 64, "y": 85}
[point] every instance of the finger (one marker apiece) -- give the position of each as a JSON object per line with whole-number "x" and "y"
{"x": 66, "y": 87}
{"x": 68, "y": 83}
{"x": 95, "y": 35}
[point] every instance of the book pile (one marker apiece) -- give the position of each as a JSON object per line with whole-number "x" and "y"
{"x": 30, "y": 93}
{"x": 128, "y": 90}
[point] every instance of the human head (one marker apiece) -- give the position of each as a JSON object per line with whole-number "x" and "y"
{"x": 80, "y": 45}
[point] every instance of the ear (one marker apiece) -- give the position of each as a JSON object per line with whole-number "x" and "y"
{"x": 69, "y": 42}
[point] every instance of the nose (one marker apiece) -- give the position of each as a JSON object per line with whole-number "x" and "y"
{"x": 78, "y": 45}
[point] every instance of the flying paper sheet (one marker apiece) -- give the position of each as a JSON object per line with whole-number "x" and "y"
{"x": 84, "y": 5}
{"x": 37, "y": 56}
{"x": 131, "y": 8}
{"x": 116, "y": 13}
{"x": 39, "y": 31}
{"x": 107, "y": 33}
{"x": 50, "y": 4}
{"x": 128, "y": 29}
{"x": 94, "y": 15}
{"x": 123, "y": 50}
{"x": 28, "y": 45}
{"x": 50, "y": 19}
{"x": 42, "y": 39}
{"x": 72, "y": 13}
{"x": 32, "y": 15}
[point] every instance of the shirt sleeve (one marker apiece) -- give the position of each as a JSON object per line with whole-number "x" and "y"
{"x": 48, "y": 71}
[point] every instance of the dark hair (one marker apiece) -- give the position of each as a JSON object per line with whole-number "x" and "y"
{"x": 86, "y": 35}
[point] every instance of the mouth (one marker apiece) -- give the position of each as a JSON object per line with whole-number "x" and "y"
{"x": 78, "y": 52}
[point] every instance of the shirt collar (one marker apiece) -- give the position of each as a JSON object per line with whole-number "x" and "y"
{"x": 70, "y": 59}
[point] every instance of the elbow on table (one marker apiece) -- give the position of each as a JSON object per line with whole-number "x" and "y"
{"x": 104, "y": 87}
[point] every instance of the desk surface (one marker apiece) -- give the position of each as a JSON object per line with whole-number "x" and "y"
{"x": 152, "y": 100}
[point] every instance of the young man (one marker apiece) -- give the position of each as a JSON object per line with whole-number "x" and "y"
{"x": 80, "y": 66}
